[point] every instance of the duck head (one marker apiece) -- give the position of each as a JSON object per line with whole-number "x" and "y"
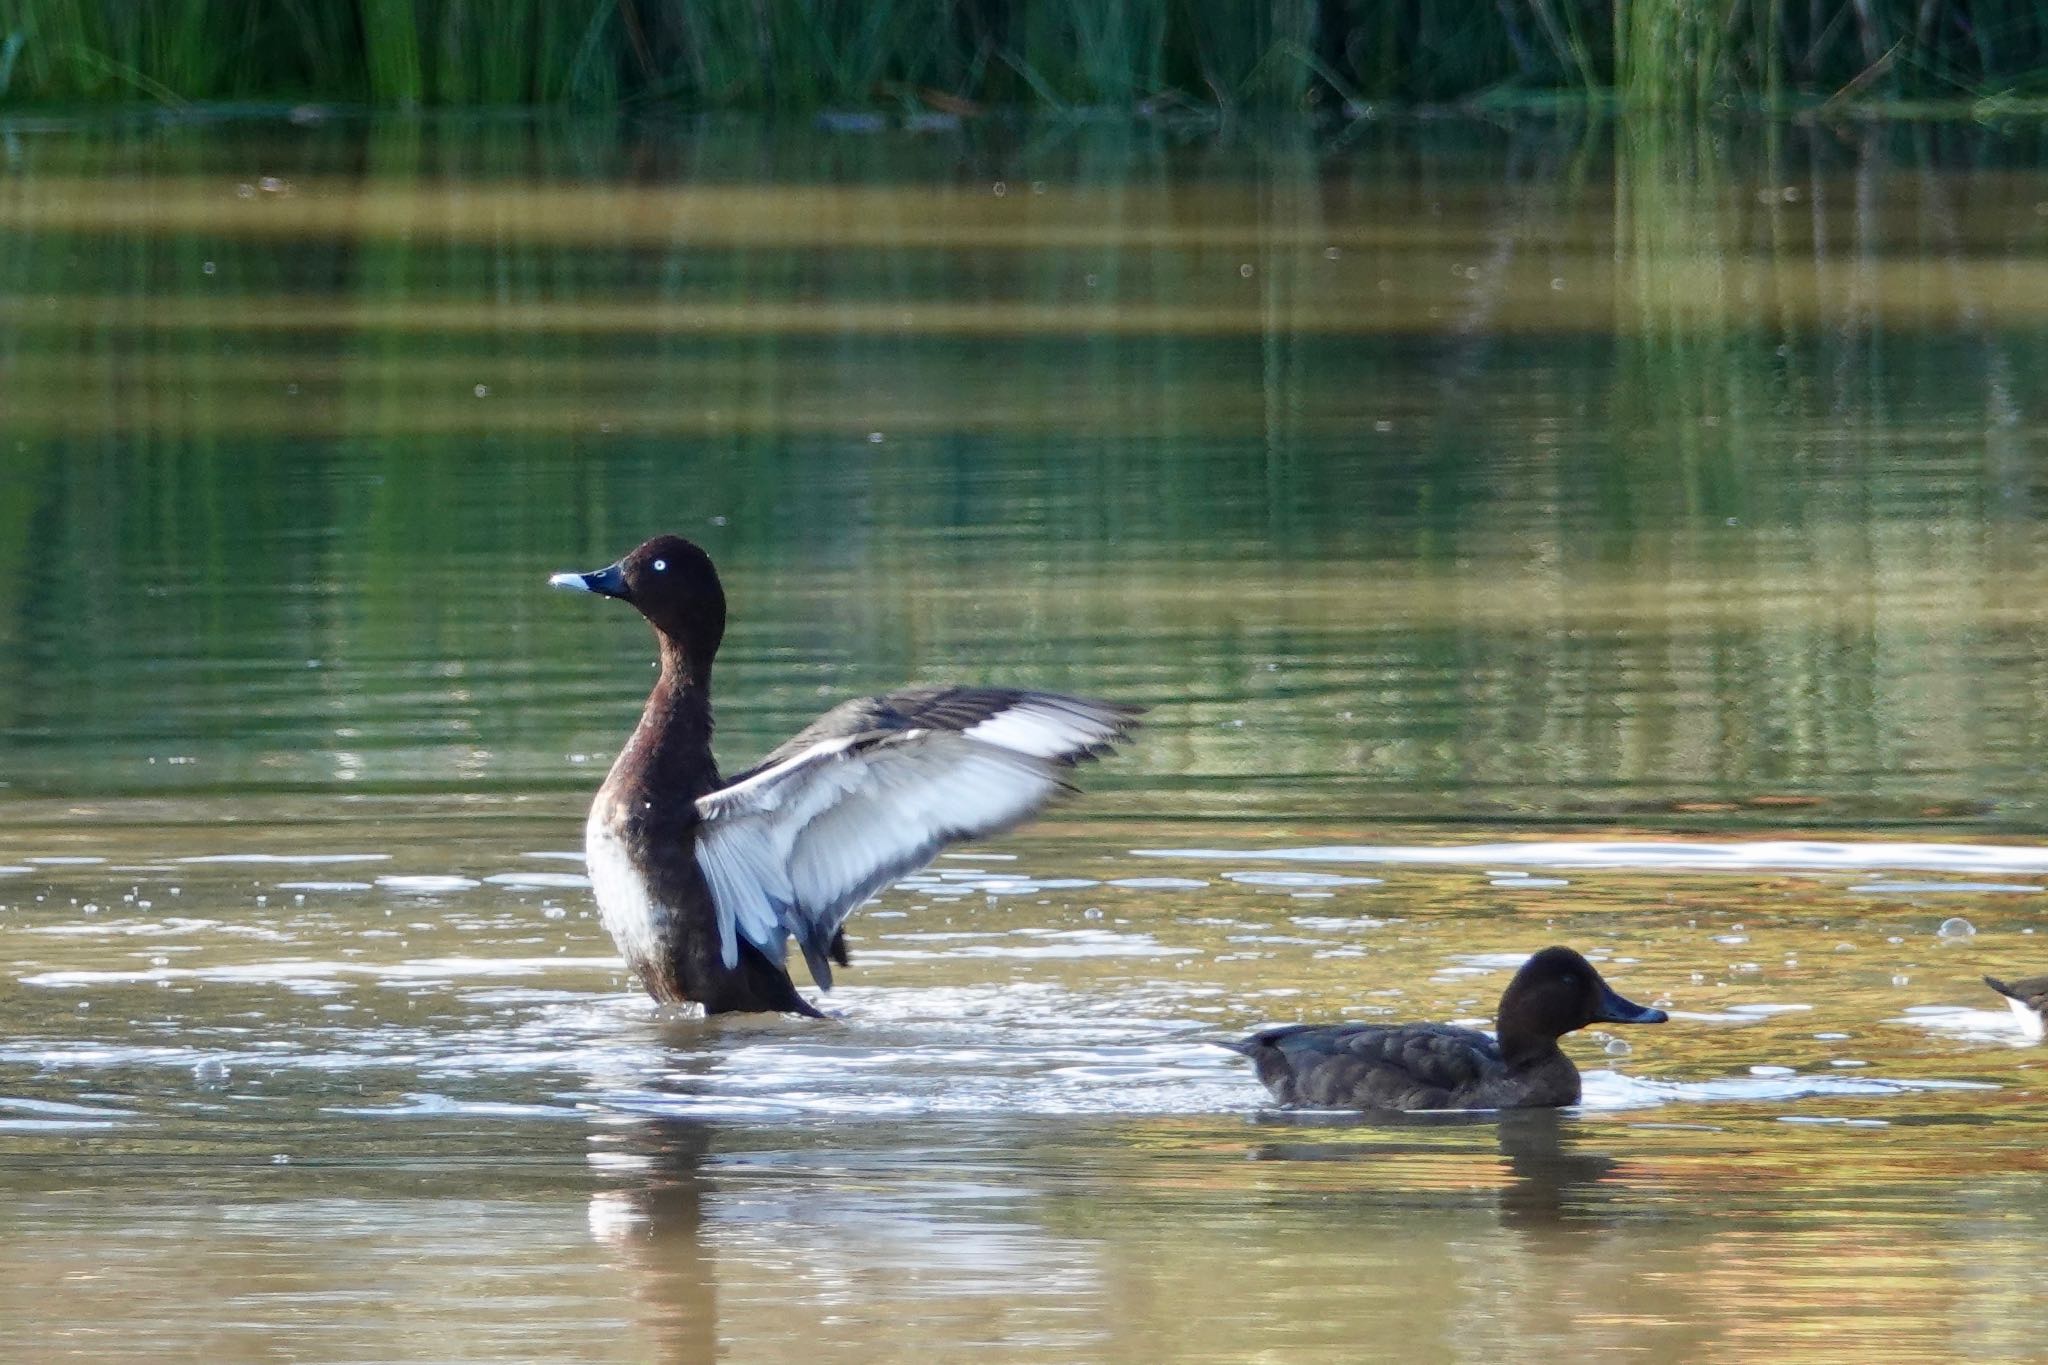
{"x": 671, "y": 582}
{"x": 1556, "y": 992}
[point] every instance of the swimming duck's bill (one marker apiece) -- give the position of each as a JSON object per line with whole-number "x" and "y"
{"x": 1615, "y": 1008}
{"x": 609, "y": 581}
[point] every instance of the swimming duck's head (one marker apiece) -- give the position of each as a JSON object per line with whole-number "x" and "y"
{"x": 670, "y": 582}
{"x": 1558, "y": 991}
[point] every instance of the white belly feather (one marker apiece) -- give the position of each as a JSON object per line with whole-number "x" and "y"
{"x": 635, "y": 922}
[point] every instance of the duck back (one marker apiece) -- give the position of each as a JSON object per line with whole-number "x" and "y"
{"x": 1406, "y": 1066}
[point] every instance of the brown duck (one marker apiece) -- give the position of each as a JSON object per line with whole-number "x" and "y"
{"x": 1440, "y": 1066}
{"x": 703, "y": 880}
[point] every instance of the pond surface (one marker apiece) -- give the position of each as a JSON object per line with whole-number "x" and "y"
{"x": 1522, "y": 535}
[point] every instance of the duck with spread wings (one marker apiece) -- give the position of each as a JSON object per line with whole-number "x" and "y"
{"x": 703, "y": 880}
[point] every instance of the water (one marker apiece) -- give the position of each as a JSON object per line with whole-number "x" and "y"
{"x": 1522, "y": 536}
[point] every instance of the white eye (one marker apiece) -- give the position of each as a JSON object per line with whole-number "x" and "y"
{"x": 661, "y": 566}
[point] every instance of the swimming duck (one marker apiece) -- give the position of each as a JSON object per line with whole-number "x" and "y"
{"x": 2029, "y": 1000}
{"x": 1439, "y": 1066}
{"x": 703, "y": 880}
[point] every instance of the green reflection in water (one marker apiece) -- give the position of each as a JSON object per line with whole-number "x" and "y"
{"x": 1438, "y": 472}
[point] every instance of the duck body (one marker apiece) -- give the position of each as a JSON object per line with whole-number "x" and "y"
{"x": 1403, "y": 1066}
{"x": 702, "y": 880}
{"x": 2029, "y": 1000}
{"x": 1442, "y": 1066}
{"x": 639, "y": 847}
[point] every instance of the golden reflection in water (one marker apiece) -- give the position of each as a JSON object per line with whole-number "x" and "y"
{"x": 613, "y": 1224}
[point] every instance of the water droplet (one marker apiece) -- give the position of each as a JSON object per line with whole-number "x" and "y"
{"x": 1618, "y": 1047}
{"x": 1956, "y": 927}
{"x": 482, "y": 390}
{"x": 211, "y": 1074}
{"x": 1244, "y": 272}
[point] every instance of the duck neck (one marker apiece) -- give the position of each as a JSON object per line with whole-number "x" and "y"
{"x": 1522, "y": 1047}
{"x": 683, "y": 669}
{"x": 670, "y": 749}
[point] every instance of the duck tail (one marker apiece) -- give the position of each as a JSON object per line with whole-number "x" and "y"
{"x": 1995, "y": 984}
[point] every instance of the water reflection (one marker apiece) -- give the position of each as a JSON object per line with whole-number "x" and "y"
{"x": 1434, "y": 482}
{"x": 1544, "y": 1177}
{"x": 654, "y": 1223}
{"x": 1555, "y": 472}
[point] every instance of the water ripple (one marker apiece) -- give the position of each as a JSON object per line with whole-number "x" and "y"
{"x": 1763, "y": 855}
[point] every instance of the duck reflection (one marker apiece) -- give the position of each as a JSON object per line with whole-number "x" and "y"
{"x": 653, "y": 1219}
{"x": 1551, "y": 1183}
{"x": 1555, "y": 1183}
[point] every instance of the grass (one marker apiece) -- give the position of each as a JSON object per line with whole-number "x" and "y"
{"x": 959, "y": 55}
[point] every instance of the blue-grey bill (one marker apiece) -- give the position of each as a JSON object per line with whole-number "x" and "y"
{"x": 1618, "y": 1009}
{"x": 609, "y": 581}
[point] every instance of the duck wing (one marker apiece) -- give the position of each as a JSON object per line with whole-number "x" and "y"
{"x": 1372, "y": 1066}
{"x": 872, "y": 790}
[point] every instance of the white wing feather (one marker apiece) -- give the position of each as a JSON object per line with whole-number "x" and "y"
{"x": 794, "y": 848}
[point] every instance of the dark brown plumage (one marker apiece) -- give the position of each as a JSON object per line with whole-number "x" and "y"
{"x": 702, "y": 880}
{"x": 1440, "y": 1066}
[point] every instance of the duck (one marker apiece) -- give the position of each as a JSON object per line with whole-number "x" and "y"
{"x": 2029, "y": 1000}
{"x": 1441, "y": 1066}
{"x": 703, "y": 880}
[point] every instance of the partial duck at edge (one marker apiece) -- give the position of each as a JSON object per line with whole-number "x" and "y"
{"x": 702, "y": 880}
{"x": 2029, "y": 1000}
{"x": 1441, "y": 1066}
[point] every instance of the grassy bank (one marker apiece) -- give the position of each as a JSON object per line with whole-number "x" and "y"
{"x": 967, "y": 54}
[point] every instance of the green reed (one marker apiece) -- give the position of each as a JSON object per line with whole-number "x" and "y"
{"x": 959, "y": 54}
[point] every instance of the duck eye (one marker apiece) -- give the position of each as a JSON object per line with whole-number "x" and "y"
{"x": 661, "y": 566}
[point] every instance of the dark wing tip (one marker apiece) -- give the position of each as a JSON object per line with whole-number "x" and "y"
{"x": 1244, "y": 1047}
{"x": 1995, "y": 984}
{"x": 1122, "y": 718}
